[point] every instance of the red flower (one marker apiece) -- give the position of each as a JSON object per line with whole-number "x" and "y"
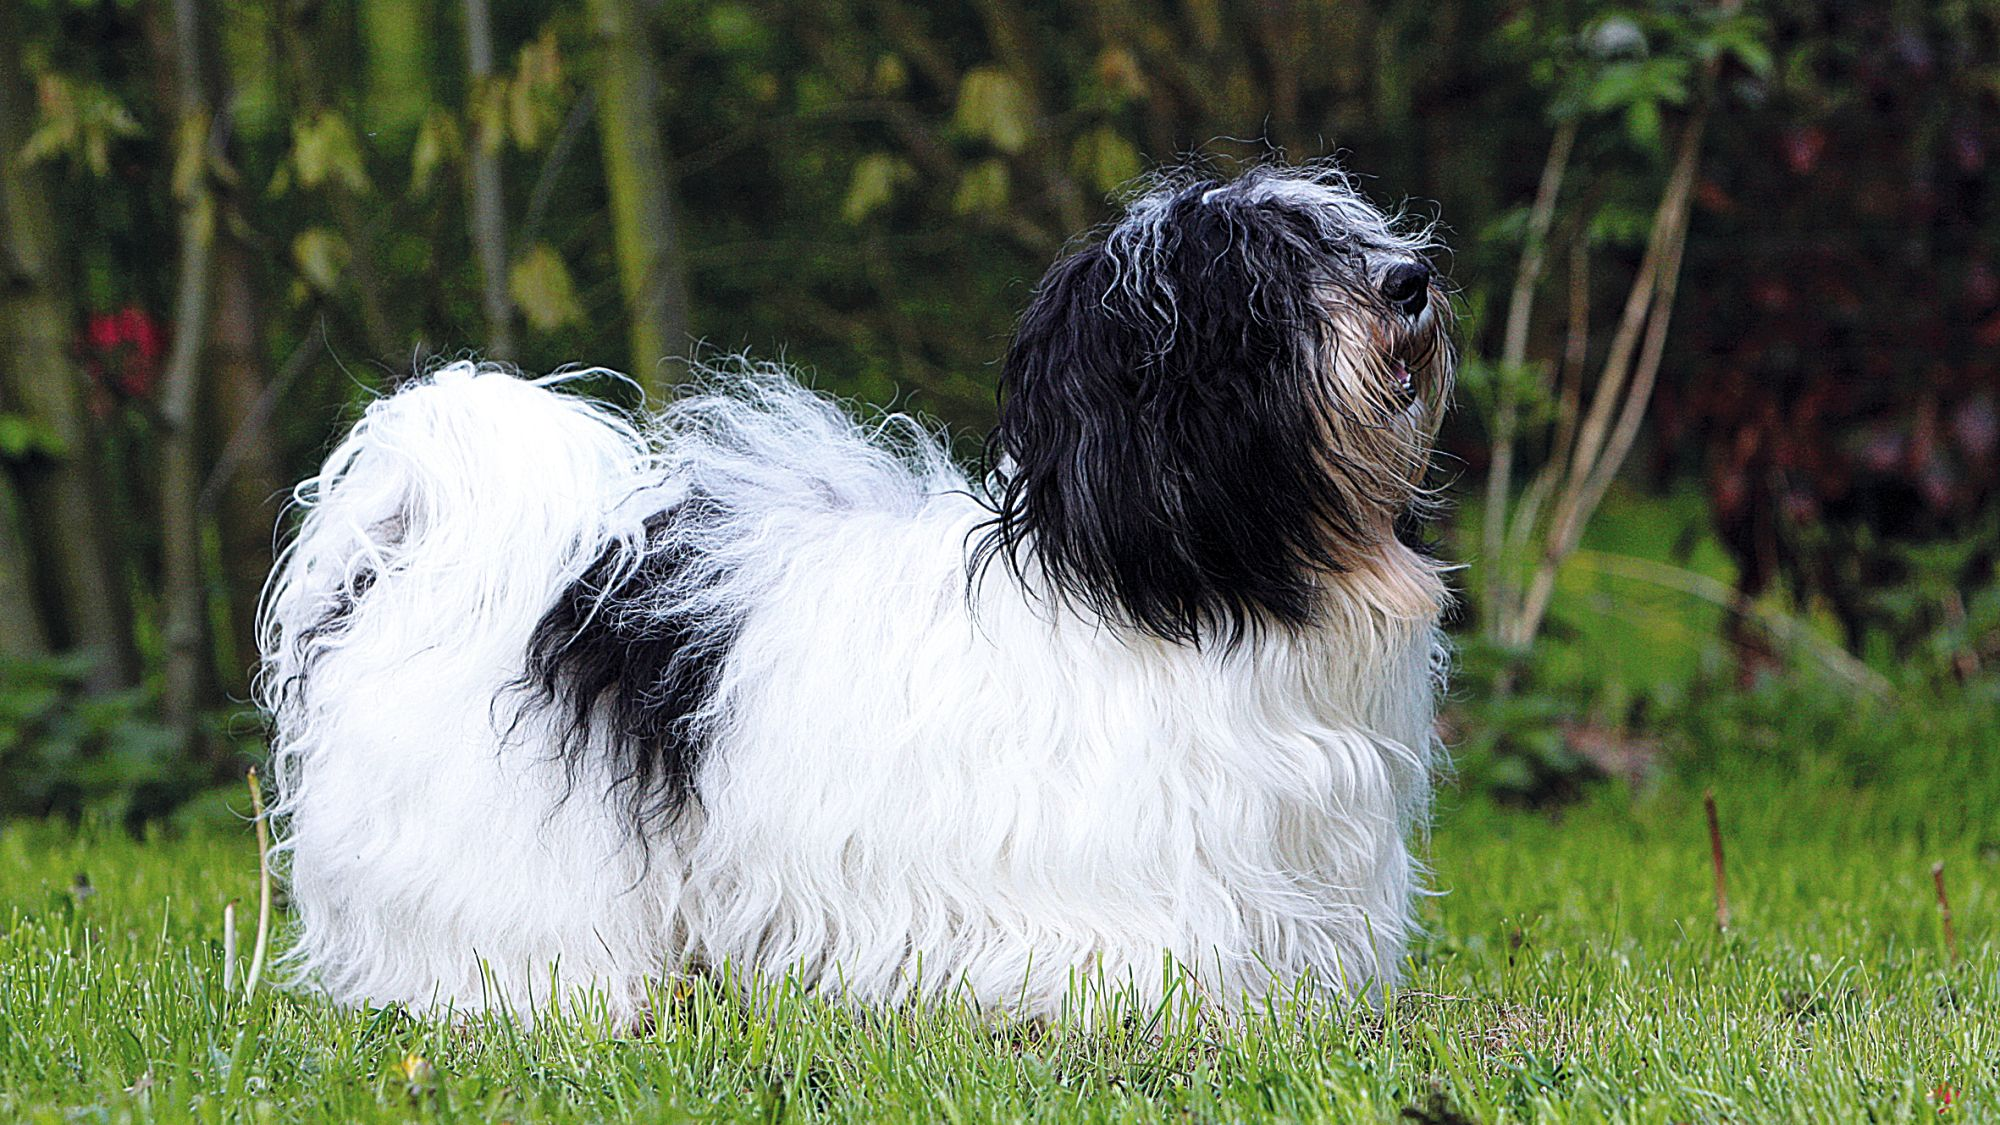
{"x": 122, "y": 350}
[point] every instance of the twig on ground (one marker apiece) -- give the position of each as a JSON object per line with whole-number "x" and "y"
{"x": 229, "y": 946}
{"x": 1715, "y": 853}
{"x": 1944, "y": 911}
{"x": 263, "y": 888}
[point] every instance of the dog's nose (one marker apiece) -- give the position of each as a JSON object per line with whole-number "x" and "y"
{"x": 1407, "y": 287}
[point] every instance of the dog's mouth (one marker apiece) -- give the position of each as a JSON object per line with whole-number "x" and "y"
{"x": 1400, "y": 377}
{"x": 1403, "y": 360}
{"x": 1411, "y": 358}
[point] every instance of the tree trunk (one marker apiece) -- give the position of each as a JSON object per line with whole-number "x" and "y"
{"x": 21, "y": 632}
{"x": 182, "y": 583}
{"x": 489, "y": 204}
{"x": 641, "y": 187}
{"x": 250, "y": 496}
{"x": 65, "y": 520}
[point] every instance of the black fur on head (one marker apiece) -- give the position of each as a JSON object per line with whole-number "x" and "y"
{"x": 1217, "y": 405}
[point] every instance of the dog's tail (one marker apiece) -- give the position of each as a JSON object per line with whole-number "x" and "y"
{"x": 454, "y": 510}
{"x": 431, "y": 858}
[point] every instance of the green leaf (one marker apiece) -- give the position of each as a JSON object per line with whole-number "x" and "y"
{"x": 1625, "y": 83}
{"x": 325, "y": 150}
{"x": 79, "y": 118}
{"x": 873, "y": 185}
{"x": 535, "y": 94}
{"x": 890, "y": 76}
{"x": 488, "y": 112}
{"x": 22, "y": 437}
{"x": 1743, "y": 38}
{"x": 735, "y": 28}
{"x": 540, "y": 284}
{"x": 16, "y": 437}
{"x": 994, "y": 108}
{"x": 438, "y": 142}
{"x": 1120, "y": 77}
{"x": 1106, "y": 159}
{"x": 1618, "y": 224}
{"x": 201, "y": 217}
{"x": 1642, "y": 124}
{"x": 190, "y": 156}
{"x": 983, "y": 188}
{"x": 321, "y": 255}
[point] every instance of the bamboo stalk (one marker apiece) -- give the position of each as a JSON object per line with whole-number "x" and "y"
{"x": 183, "y": 584}
{"x": 1576, "y": 348}
{"x": 1654, "y": 349}
{"x": 646, "y": 236}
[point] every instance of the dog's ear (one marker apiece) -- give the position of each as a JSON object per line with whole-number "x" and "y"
{"x": 1163, "y": 449}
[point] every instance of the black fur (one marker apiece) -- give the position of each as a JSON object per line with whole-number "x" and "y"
{"x": 1162, "y": 451}
{"x": 339, "y": 614}
{"x": 629, "y": 680}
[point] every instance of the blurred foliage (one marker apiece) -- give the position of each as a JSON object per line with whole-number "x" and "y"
{"x": 1839, "y": 391}
{"x": 869, "y": 191}
{"x": 63, "y": 749}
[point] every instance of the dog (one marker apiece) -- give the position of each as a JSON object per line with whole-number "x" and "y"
{"x": 567, "y": 701}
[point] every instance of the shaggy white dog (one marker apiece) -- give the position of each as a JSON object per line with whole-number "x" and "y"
{"x": 570, "y": 702}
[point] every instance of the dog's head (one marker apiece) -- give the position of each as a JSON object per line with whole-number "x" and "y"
{"x": 1225, "y": 401}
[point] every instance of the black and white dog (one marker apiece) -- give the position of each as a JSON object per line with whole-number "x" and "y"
{"x": 568, "y": 702}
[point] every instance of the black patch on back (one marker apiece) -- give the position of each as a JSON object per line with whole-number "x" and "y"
{"x": 628, "y": 680}
{"x": 333, "y": 622}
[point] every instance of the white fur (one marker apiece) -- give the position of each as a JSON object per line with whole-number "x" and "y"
{"x": 912, "y": 783}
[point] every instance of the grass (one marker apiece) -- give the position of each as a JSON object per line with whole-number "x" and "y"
{"x": 1575, "y": 972}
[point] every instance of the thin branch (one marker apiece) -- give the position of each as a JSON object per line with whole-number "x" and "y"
{"x": 1513, "y": 355}
{"x": 559, "y": 153}
{"x": 488, "y": 213}
{"x": 1521, "y": 303}
{"x": 1617, "y": 368}
{"x": 1576, "y": 347}
{"x": 1624, "y": 387}
{"x": 1641, "y": 394}
{"x": 183, "y": 586}
{"x": 237, "y": 450}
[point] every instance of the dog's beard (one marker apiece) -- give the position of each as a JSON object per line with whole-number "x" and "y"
{"x": 1388, "y": 380}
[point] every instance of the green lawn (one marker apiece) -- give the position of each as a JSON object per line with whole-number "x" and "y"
{"x": 1574, "y": 972}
